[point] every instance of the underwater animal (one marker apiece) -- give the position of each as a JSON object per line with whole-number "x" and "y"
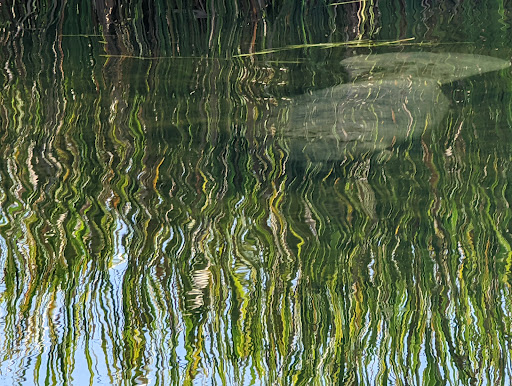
{"x": 391, "y": 98}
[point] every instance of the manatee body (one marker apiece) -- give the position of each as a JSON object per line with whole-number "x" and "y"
{"x": 392, "y": 98}
{"x": 441, "y": 67}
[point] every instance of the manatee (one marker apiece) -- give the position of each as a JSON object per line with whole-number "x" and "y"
{"x": 443, "y": 68}
{"x": 391, "y": 98}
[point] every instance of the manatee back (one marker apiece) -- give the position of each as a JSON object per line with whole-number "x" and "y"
{"x": 367, "y": 116}
{"x": 440, "y": 67}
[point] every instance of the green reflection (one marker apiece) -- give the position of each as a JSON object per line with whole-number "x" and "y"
{"x": 157, "y": 227}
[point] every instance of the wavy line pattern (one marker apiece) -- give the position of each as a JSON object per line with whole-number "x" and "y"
{"x": 155, "y": 228}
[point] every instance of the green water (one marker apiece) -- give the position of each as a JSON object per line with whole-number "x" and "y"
{"x": 158, "y": 226}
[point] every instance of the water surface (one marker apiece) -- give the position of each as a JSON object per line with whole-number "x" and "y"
{"x": 160, "y": 225}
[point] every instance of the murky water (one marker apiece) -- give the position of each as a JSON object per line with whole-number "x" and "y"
{"x": 174, "y": 213}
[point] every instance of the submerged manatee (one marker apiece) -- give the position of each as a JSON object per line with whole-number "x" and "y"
{"x": 391, "y": 98}
{"x": 444, "y": 68}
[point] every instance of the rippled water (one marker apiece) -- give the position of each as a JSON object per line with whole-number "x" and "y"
{"x": 164, "y": 221}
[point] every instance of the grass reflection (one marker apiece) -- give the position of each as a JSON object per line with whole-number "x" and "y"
{"x": 154, "y": 229}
